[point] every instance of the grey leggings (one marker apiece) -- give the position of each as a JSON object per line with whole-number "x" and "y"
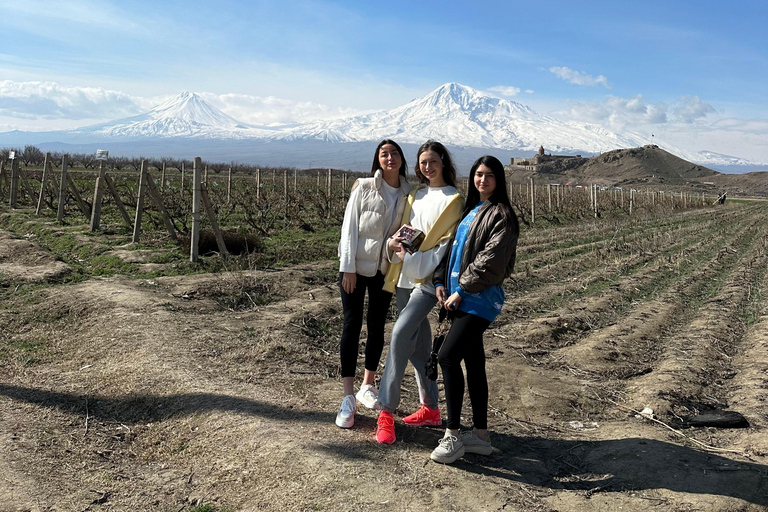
{"x": 411, "y": 341}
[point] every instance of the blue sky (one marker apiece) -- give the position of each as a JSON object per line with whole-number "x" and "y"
{"x": 692, "y": 72}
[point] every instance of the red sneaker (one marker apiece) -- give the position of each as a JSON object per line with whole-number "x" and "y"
{"x": 424, "y": 417}
{"x": 385, "y": 428}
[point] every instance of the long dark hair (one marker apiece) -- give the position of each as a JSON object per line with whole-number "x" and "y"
{"x": 376, "y": 165}
{"x": 499, "y": 195}
{"x": 449, "y": 170}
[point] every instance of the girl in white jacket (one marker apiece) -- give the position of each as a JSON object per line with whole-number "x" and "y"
{"x": 373, "y": 214}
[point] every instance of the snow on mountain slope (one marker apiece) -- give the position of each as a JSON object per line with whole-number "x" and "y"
{"x": 186, "y": 115}
{"x": 459, "y": 115}
{"x": 453, "y": 114}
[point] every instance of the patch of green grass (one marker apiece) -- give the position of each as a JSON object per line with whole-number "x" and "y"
{"x": 109, "y": 264}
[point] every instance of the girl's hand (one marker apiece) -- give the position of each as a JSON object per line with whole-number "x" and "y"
{"x": 441, "y": 294}
{"x": 452, "y": 302}
{"x": 395, "y": 244}
{"x": 349, "y": 281}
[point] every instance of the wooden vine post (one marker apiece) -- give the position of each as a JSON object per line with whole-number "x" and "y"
{"x": 62, "y": 189}
{"x": 46, "y": 172}
{"x": 97, "y": 195}
{"x": 533, "y": 202}
{"x": 14, "y": 182}
{"x": 229, "y": 186}
{"x": 140, "y": 202}
{"x": 258, "y": 184}
{"x": 196, "y": 187}
{"x": 328, "y": 196}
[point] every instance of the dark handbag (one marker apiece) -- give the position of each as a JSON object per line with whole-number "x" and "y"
{"x": 437, "y": 342}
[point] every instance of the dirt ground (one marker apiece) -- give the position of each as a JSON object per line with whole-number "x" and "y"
{"x": 155, "y": 394}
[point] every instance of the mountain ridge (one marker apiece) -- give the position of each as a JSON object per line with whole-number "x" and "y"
{"x": 455, "y": 114}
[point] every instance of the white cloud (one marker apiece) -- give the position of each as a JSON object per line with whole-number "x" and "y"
{"x": 529, "y": 91}
{"x": 505, "y": 90}
{"x": 618, "y": 113}
{"x": 49, "y": 100}
{"x": 578, "y": 78}
{"x": 270, "y": 110}
{"x": 690, "y": 108}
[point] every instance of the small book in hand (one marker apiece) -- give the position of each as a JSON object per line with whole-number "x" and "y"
{"x": 411, "y": 238}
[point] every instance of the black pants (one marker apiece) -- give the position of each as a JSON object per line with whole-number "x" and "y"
{"x": 465, "y": 342}
{"x": 378, "y": 305}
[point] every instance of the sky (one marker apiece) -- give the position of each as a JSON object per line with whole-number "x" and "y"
{"x": 691, "y": 73}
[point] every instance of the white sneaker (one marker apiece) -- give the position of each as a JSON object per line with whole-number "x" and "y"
{"x": 368, "y": 396}
{"x": 346, "y": 416}
{"x": 476, "y": 444}
{"x": 449, "y": 449}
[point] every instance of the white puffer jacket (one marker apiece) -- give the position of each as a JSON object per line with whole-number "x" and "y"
{"x": 364, "y": 232}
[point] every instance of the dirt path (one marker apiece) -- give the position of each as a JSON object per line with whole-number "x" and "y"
{"x": 126, "y": 394}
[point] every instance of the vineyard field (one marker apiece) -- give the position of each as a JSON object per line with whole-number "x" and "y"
{"x": 157, "y": 386}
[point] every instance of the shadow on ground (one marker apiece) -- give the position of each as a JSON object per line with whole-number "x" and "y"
{"x": 590, "y": 466}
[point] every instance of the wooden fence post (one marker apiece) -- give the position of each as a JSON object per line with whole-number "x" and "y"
{"x": 195, "y": 238}
{"x": 14, "y": 181}
{"x": 533, "y": 202}
{"x": 206, "y": 175}
{"x": 258, "y": 184}
{"x": 140, "y": 202}
{"x": 229, "y": 186}
{"x": 285, "y": 193}
{"x": 162, "y": 178}
{"x": 328, "y": 196}
{"x": 62, "y": 189}
{"x": 97, "y": 193}
{"x": 46, "y": 167}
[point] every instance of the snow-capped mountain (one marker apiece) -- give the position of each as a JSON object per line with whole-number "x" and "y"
{"x": 186, "y": 115}
{"x": 454, "y": 114}
{"x": 459, "y": 115}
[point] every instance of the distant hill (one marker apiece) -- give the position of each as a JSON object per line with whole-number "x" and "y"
{"x": 644, "y": 166}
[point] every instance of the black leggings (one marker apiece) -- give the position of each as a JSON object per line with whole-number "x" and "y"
{"x": 378, "y": 305}
{"x": 465, "y": 341}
